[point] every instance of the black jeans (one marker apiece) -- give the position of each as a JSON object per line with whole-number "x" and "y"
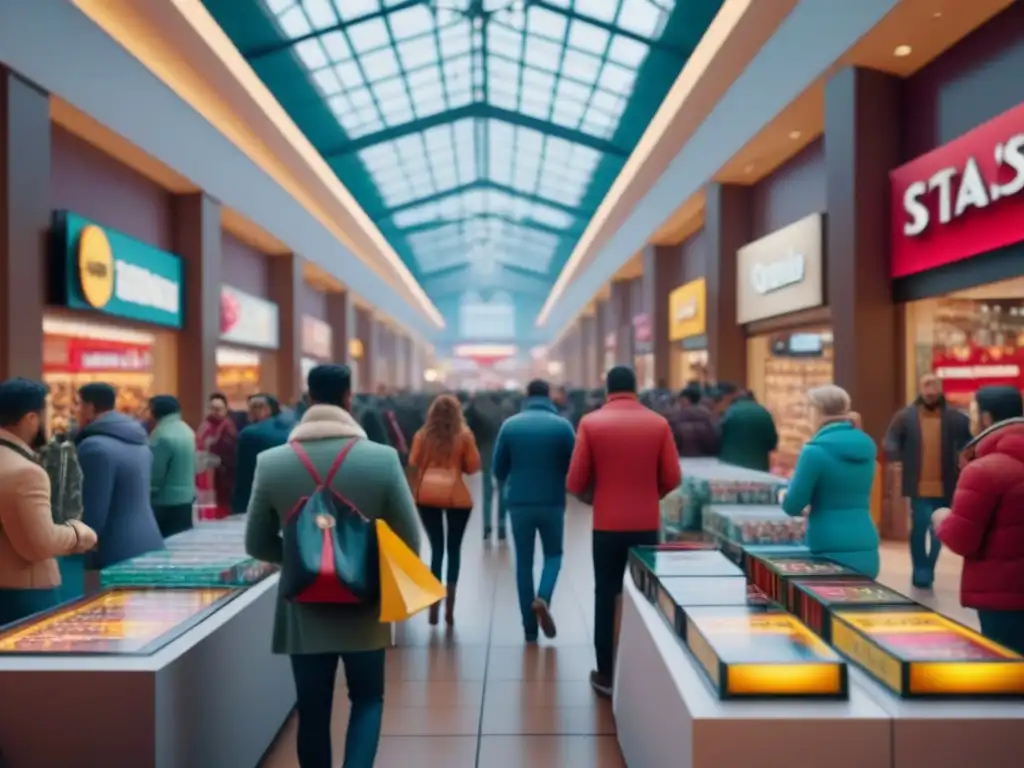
{"x": 611, "y": 554}
{"x": 173, "y": 518}
{"x": 433, "y": 523}
{"x": 315, "y": 676}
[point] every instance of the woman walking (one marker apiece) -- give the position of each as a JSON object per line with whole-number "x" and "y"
{"x": 442, "y": 452}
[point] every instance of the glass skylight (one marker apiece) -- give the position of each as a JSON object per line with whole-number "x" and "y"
{"x": 535, "y": 95}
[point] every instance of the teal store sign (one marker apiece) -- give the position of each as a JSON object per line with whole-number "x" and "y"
{"x": 100, "y": 269}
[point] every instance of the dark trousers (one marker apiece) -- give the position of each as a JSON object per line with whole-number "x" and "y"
{"x": 611, "y": 553}
{"x": 433, "y": 522}
{"x": 173, "y": 518}
{"x": 17, "y": 604}
{"x": 1004, "y": 627}
{"x": 924, "y": 544}
{"x": 314, "y": 684}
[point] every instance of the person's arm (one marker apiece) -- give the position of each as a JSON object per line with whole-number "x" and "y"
{"x": 800, "y": 491}
{"x": 400, "y": 508}
{"x": 670, "y": 474}
{"x": 979, "y": 491}
{"x": 162, "y": 453}
{"x": 569, "y": 442}
{"x": 470, "y": 454}
{"x": 262, "y": 526}
{"x": 501, "y": 463}
{"x": 416, "y": 451}
{"x": 895, "y": 437}
{"x": 28, "y": 522}
{"x": 580, "y": 478}
{"x": 97, "y": 485}
{"x": 245, "y": 470}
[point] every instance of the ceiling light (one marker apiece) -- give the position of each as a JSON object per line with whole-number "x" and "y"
{"x": 937, "y": 15}
{"x": 902, "y": 51}
{"x": 794, "y": 135}
{"x": 749, "y": 168}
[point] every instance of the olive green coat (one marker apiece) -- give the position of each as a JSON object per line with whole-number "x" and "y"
{"x": 372, "y": 479}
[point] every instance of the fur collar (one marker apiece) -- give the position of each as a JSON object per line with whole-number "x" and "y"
{"x": 326, "y": 422}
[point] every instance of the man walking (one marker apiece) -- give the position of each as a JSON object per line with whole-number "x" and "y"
{"x": 531, "y": 461}
{"x": 625, "y": 457}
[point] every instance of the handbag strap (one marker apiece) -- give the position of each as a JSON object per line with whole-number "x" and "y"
{"x": 311, "y": 468}
{"x": 17, "y": 449}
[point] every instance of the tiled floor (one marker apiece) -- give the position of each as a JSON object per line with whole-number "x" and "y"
{"x": 478, "y": 697}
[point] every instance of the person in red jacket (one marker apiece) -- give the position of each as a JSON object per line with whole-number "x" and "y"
{"x": 625, "y": 460}
{"x": 986, "y": 523}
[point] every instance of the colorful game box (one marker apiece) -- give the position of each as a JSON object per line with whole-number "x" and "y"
{"x": 675, "y": 595}
{"x": 917, "y": 653}
{"x": 642, "y": 559}
{"x": 134, "y": 622}
{"x": 754, "y": 524}
{"x": 759, "y": 652}
{"x": 814, "y": 600}
{"x": 772, "y": 574}
{"x": 662, "y": 563}
{"x": 742, "y": 554}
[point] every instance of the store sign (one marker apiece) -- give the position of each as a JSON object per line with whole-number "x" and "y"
{"x": 355, "y": 349}
{"x": 102, "y": 270}
{"x": 960, "y": 200}
{"x": 643, "y": 334}
{"x": 782, "y": 272}
{"x": 81, "y": 355}
{"x": 247, "y": 320}
{"x": 687, "y": 310}
{"x": 316, "y": 338}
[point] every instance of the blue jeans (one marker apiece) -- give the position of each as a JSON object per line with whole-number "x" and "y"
{"x": 924, "y": 544}
{"x": 489, "y": 503}
{"x": 314, "y": 685}
{"x": 527, "y": 523}
{"x": 1003, "y": 627}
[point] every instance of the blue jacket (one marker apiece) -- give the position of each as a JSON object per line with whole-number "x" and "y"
{"x": 252, "y": 441}
{"x": 117, "y": 463}
{"x": 532, "y": 455}
{"x": 833, "y": 476}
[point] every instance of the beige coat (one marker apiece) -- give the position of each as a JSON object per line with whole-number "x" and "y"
{"x": 29, "y": 539}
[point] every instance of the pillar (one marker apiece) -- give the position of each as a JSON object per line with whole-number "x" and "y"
{"x": 573, "y": 367}
{"x": 663, "y": 273}
{"x": 197, "y": 240}
{"x": 588, "y": 350}
{"x": 728, "y": 224}
{"x": 622, "y": 304}
{"x": 602, "y": 330}
{"x": 285, "y": 291}
{"x": 341, "y": 318}
{"x": 858, "y": 158}
{"x": 24, "y": 224}
{"x": 366, "y": 333}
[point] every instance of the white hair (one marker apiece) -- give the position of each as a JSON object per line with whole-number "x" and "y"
{"x": 830, "y": 401}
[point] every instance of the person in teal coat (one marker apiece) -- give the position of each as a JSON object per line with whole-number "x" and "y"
{"x": 832, "y": 485}
{"x": 747, "y": 433}
{"x": 173, "y": 482}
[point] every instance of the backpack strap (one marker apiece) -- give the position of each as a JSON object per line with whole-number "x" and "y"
{"x": 339, "y": 460}
{"x": 306, "y": 461}
{"x": 335, "y": 465}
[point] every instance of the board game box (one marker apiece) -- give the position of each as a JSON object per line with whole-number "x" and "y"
{"x": 676, "y": 595}
{"x": 754, "y": 524}
{"x": 762, "y": 652}
{"x": 814, "y": 600}
{"x": 772, "y": 574}
{"x": 134, "y": 622}
{"x": 742, "y": 554}
{"x": 917, "y": 653}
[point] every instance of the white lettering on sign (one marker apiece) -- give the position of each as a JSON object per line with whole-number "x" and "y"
{"x": 954, "y": 200}
{"x": 767, "y": 278}
{"x": 137, "y": 285}
{"x": 687, "y": 311}
{"x": 978, "y": 372}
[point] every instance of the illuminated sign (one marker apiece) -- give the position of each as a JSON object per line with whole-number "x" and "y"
{"x": 687, "y": 311}
{"x": 815, "y": 599}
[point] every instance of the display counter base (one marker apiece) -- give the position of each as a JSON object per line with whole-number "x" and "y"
{"x": 668, "y": 717}
{"x": 216, "y": 696}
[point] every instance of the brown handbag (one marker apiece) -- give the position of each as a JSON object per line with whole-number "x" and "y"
{"x": 437, "y": 487}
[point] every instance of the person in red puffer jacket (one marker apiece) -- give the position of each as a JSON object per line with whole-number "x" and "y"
{"x": 986, "y": 523}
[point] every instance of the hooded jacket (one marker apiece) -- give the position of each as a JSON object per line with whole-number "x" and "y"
{"x": 834, "y": 476}
{"x": 986, "y": 525}
{"x": 747, "y": 435}
{"x": 117, "y": 466}
{"x": 252, "y": 441}
{"x": 695, "y": 431}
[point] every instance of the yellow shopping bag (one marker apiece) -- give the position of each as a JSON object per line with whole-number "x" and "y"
{"x": 406, "y": 585}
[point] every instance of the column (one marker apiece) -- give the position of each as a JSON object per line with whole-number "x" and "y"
{"x": 663, "y": 272}
{"x": 858, "y": 158}
{"x": 197, "y": 239}
{"x": 728, "y": 226}
{"x": 366, "y": 334}
{"x": 341, "y": 318}
{"x": 24, "y": 224}
{"x": 285, "y": 290}
{"x": 622, "y": 301}
{"x": 602, "y": 330}
{"x": 573, "y": 368}
{"x": 588, "y": 356}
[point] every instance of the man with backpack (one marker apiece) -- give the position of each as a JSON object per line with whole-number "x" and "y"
{"x": 365, "y": 480}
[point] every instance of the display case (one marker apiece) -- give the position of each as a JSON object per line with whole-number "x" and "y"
{"x": 655, "y": 563}
{"x": 132, "y": 622}
{"x": 185, "y": 567}
{"x": 773, "y": 574}
{"x": 758, "y": 652}
{"x": 816, "y": 599}
{"x": 754, "y": 524}
{"x": 642, "y": 559}
{"x": 675, "y": 595}
{"x": 744, "y": 554}
{"x": 916, "y": 653}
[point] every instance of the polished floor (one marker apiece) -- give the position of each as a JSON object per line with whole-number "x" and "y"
{"x": 478, "y": 697}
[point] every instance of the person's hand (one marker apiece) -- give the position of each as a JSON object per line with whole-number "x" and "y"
{"x": 86, "y": 537}
{"x": 939, "y": 515}
{"x": 806, "y": 511}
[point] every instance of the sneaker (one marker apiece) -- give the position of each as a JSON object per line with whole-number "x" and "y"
{"x": 501, "y": 534}
{"x": 487, "y": 534}
{"x": 602, "y": 685}
{"x": 543, "y": 613}
{"x": 531, "y": 639}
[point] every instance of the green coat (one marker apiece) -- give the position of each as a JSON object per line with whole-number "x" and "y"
{"x": 174, "y": 462}
{"x": 372, "y": 479}
{"x": 748, "y": 435}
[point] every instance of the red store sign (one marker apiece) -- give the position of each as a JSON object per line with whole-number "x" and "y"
{"x": 73, "y": 355}
{"x": 960, "y": 200}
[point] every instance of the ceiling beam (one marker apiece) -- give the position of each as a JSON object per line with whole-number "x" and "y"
{"x": 461, "y": 279}
{"x": 479, "y": 111}
{"x": 524, "y": 223}
{"x": 658, "y": 45}
{"x": 484, "y": 184}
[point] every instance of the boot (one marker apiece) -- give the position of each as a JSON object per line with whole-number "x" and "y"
{"x": 435, "y": 611}
{"x": 449, "y": 606}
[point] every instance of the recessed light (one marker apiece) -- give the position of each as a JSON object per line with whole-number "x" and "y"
{"x": 794, "y": 135}
{"x": 902, "y": 51}
{"x": 937, "y": 15}
{"x": 748, "y": 168}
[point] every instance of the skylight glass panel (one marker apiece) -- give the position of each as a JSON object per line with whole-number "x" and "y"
{"x": 294, "y": 23}
{"x": 617, "y": 79}
{"x": 587, "y": 37}
{"x": 327, "y": 82}
{"x": 354, "y": 9}
{"x": 368, "y": 35}
{"x": 312, "y": 54}
{"x": 543, "y": 54}
{"x": 601, "y": 10}
{"x": 627, "y": 52}
{"x": 542, "y": 22}
{"x": 320, "y": 13}
{"x": 337, "y": 46}
{"x": 410, "y": 22}
{"x": 640, "y": 16}
{"x": 455, "y": 39}
{"x": 380, "y": 64}
{"x": 580, "y": 66}
{"x": 417, "y": 52}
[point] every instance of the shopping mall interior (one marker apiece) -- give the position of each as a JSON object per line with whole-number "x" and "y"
{"x": 206, "y": 196}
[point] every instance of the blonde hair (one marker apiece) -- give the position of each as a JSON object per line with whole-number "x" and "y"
{"x": 830, "y": 401}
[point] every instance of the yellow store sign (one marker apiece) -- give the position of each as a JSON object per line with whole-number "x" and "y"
{"x": 687, "y": 311}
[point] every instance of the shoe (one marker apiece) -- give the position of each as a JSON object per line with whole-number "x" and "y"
{"x": 449, "y": 606}
{"x": 487, "y": 534}
{"x": 501, "y": 534}
{"x": 531, "y": 639}
{"x": 435, "y": 613}
{"x": 602, "y": 685}
{"x": 543, "y": 613}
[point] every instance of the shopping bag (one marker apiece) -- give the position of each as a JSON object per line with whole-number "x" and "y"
{"x": 406, "y": 585}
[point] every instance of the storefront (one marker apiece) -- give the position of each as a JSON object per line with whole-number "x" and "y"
{"x": 958, "y": 259}
{"x": 643, "y": 351}
{"x": 610, "y": 345}
{"x": 317, "y": 340}
{"x": 779, "y": 301}
{"x": 249, "y": 339}
{"x": 687, "y": 329}
{"x": 115, "y": 307}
